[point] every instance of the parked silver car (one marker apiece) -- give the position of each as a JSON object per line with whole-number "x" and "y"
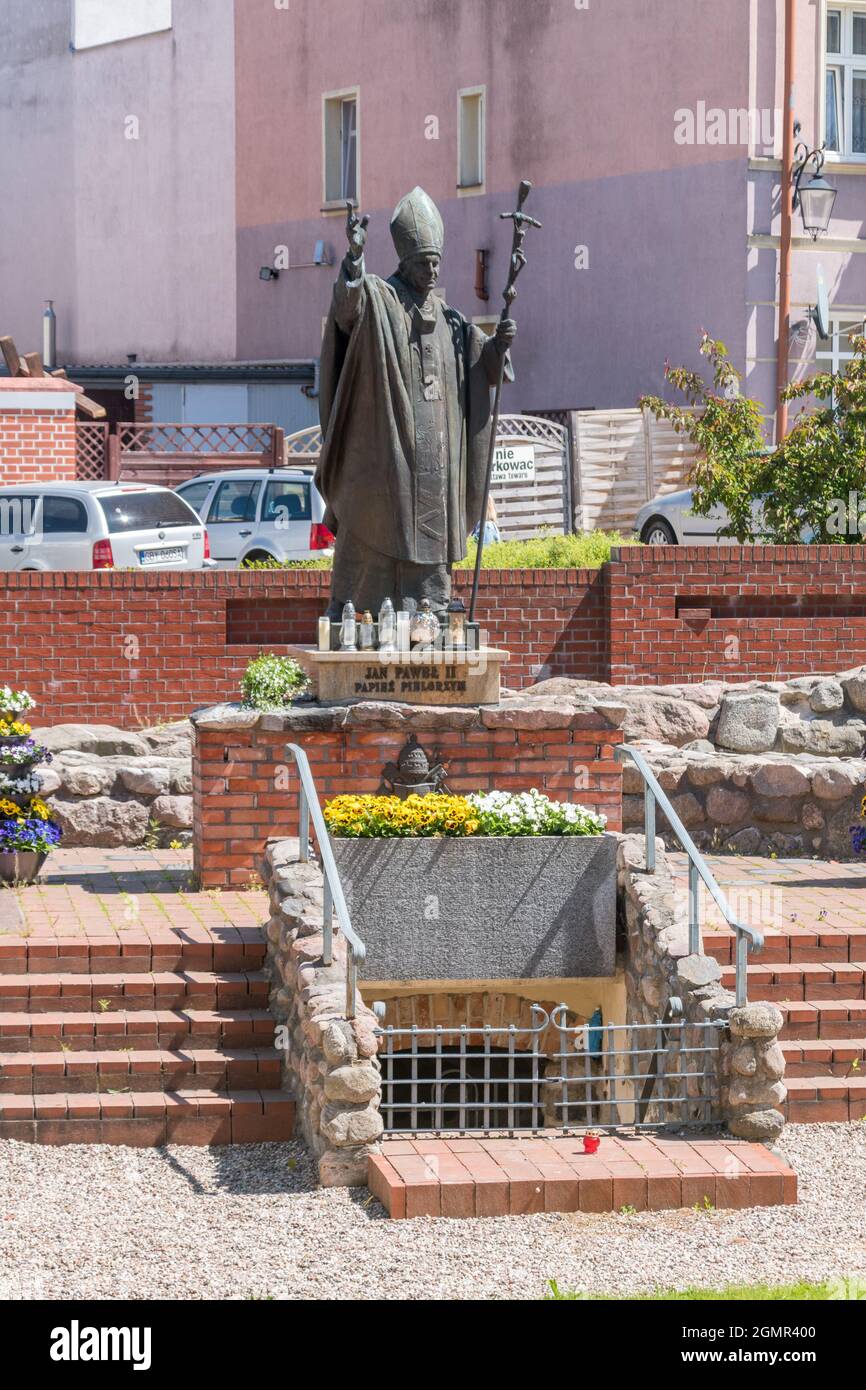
{"x": 260, "y": 514}
{"x": 98, "y": 526}
{"x": 669, "y": 520}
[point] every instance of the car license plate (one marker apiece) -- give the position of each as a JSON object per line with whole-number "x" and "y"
{"x": 169, "y": 556}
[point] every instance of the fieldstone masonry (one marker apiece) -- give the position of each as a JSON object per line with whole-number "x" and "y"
{"x": 329, "y": 1063}
{"x": 658, "y": 965}
{"x": 110, "y": 787}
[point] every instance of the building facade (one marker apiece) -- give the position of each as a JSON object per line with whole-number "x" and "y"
{"x": 194, "y": 168}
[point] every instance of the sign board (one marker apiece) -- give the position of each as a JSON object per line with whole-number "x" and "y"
{"x": 513, "y": 463}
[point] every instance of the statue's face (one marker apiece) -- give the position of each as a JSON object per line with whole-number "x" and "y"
{"x": 422, "y": 271}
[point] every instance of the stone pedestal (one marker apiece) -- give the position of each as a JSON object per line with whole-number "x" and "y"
{"x": 452, "y": 676}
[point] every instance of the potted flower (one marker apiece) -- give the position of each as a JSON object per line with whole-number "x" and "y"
{"x": 494, "y": 885}
{"x": 27, "y": 832}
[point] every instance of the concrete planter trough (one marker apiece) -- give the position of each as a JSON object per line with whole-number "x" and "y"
{"x": 497, "y": 907}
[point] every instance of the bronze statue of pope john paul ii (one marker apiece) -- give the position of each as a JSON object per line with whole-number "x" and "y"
{"x": 406, "y": 416}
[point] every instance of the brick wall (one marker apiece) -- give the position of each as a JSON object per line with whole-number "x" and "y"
{"x": 137, "y": 648}
{"x": 37, "y": 430}
{"x": 735, "y": 612}
{"x": 245, "y": 792}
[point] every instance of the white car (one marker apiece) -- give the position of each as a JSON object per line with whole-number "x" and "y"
{"x": 260, "y": 514}
{"x": 668, "y": 520}
{"x": 99, "y": 526}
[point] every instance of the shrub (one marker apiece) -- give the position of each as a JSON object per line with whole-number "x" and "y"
{"x": 587, "y": 551}
{"x": 811, "y": 487}
{"x": 270, "y": 681}
{"x": 439, "y": 814}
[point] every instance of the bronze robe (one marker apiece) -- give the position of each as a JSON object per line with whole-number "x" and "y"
{"x": 405, "y": 409}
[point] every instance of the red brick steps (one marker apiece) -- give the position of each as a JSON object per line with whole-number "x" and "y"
{"x": 502, "y": 1177}
{"x": 50, "y": 992}
{"x": 817, "y": 978}
{"x": 797, "y": 946}
{"x": 139, "y": 1039}
{"x": 822, "y": 1018}
{"x": 150, "y": 1028}
{"x": 146, "y": 1118}
{"x": 139, "y": 1069}
{"x": 827, "y": 1099}
{"x": 824, "y": 1056}
{"x": 239, "y": 948}
{"x": 787, "y": 982}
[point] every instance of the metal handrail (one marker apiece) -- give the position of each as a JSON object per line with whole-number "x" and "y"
{"x": 333, "y": 898}
{"x": 747, "y": 938}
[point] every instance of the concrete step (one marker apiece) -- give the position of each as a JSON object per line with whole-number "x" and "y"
{"x": 233, "y": 948}
{"x": 137, "y": 1069}
{"x": 813, "y": 981}
{"x": 114, "y": 1029}
{"x": 822, "y": 1018}
{"x": 168, "y": 989}
{"x": 149, "y": 1118}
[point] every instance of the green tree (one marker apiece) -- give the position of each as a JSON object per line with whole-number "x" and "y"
{"x": 813, "y": 485}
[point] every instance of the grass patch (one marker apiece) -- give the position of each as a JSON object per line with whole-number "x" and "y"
{"x": 588, "y": 551}
{"x": 734, "y": 1293}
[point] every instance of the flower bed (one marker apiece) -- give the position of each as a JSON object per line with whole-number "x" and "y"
{"x": 487, "y": 886}
{"x": 27, "y": 832}
{"x": 480, "y": 813}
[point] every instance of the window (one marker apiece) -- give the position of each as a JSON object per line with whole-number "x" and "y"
{"x": 341, "y": 147}
{"x": 845, "y": 80}
{"x": 62, "y": 515}
{"x": 235, "y": 501}
{"x": 285, "y": 502}
{"x": 195, "y": 495}
{"x": 471, "y": 167}
{"x": 144, "y": 511}
{"x": 19, "y": 515}
{"x": 832, "y": 353}
{"x": 97, "y": 22}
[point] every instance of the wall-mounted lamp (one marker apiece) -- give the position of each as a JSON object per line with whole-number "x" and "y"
{"x": 815, "y": 199}
{"x": 268, "y": 272}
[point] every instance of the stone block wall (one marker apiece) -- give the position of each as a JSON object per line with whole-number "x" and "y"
{"x": 330, "y": 1063}
{"x": 749, "y": 1066}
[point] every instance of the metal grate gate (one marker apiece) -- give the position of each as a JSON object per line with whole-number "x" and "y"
{"x": 553, "y": 1074}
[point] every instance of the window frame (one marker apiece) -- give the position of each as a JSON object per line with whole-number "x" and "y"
{"x": 183, "y": 488}
{"x": 478, "y": 93}
{"x": 833, "y": 356}
{"x": 844, "y": 64}
{"x": 255, "y": 486}
{"x": 333, "y": 103}
{"x": 302, "y": 484}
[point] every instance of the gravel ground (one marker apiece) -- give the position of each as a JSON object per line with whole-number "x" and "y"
{"x": 115, "y": 1223}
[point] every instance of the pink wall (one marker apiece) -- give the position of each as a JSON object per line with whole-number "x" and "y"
{"x": 582, "y": 102}
{"x": 133, "y": 239}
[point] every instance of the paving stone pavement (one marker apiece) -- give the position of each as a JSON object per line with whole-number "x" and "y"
{"x": 101, "y": 892}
